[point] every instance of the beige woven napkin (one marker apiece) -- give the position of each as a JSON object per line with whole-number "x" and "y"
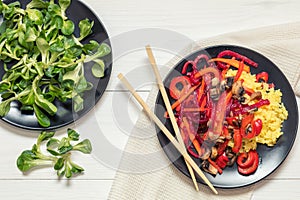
{"x": 146, "y": 173}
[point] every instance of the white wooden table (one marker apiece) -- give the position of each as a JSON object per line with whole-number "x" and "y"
{"x": 193, "y": 19}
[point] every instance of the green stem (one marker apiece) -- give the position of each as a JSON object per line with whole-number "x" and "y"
{"x": 92, "y": 57}
{"x": 35, "y": 84}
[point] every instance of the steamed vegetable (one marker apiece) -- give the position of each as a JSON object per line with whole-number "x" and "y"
{"x": 43, "y": 58}
{"x": 58, "y": 156}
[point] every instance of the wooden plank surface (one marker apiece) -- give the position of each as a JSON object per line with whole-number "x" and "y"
{"x": 187, "y": 20}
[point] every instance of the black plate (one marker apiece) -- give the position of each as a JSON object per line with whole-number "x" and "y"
{"x": 271, "y": 158}
{"x": 65, "y": 114}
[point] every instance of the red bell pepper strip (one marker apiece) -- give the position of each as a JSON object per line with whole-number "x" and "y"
{"x": 179, "y": 86}
{"x": 193, "y": 63}
{"x": 253, "y": 167}
{"x": 263, "y": 76}
{"x": 245, "y": 160}
{"x": 200, "y": 57}
{"x": 247, "y": 120}
{"x": 202, "y": 98}
{"x": 271, "y": 85}
{"x": 215, "y": 165}
{"x": 236, "y": 105}
{"x": 222, "y": 160}
{"x": 249, "y": 108}
{"x": 237, "y": 140}
{"x": 226, "y": 134}
{"x": 232, "y": 121}
{"x": 257, "y": 126}
{"x": 186, "y": 65}
{"x": 237, "y": 56}
{"x": 222, "y": 146}
{"x": 178, "y": 108}
{"x": 218, "y": 116}
{"x": 201, "y": 90}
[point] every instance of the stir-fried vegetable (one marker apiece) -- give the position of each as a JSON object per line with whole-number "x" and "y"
{"x": 216, "y": 112}
{"x": 248, "y": 162}
{"x": 59, "y": 153}
{"x": 43, "y": 59}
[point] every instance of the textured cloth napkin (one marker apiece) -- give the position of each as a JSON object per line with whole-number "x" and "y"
{"x": 146, "y": 173}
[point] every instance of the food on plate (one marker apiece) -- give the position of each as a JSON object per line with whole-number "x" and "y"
{"x": 58, "y": 153}
{"x": 43, "y": 59}
{"x": 224, "y": 111}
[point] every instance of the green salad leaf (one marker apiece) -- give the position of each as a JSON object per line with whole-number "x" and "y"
{"x": 43, "y": 59}
{"x": 58, "y": 156}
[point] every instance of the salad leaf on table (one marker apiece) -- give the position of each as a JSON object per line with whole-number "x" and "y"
{"x": 59, "y": 153}
{"x": 43, "y": 59}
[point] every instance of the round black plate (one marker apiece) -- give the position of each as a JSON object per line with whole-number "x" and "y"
{"x": 65, "y": 114}
{"x": 271, "y": 158}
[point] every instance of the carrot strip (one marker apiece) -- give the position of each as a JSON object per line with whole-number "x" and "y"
{"x": 224, "y": 71}
{"x": 207, "y": 70}
{"x": 228, "y": 65}
{"x": 191, "y": 135}
{"x": 223, "y": 74}
{"x": 228, "y": 97}
{"x": 197, "y": 146}
{"x": 239, "y": 72}
{"x": 183, "y": 97}
{"x": 203, "y": 104}
{"x": 233, "y": 63}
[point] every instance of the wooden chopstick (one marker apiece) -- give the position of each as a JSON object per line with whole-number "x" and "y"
{"x": 169, "y": 109}
{"x": 167, "y": 133}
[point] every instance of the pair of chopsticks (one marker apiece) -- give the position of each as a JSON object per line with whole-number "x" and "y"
{"x": 179, "y": 145}
{"x": 169, "y": 110}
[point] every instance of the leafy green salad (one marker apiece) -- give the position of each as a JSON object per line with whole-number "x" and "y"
{"x": 42, "y": 58}
{"x": 57, "y": 154}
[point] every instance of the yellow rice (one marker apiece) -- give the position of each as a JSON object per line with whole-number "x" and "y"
{"x": 271, "y": 115}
